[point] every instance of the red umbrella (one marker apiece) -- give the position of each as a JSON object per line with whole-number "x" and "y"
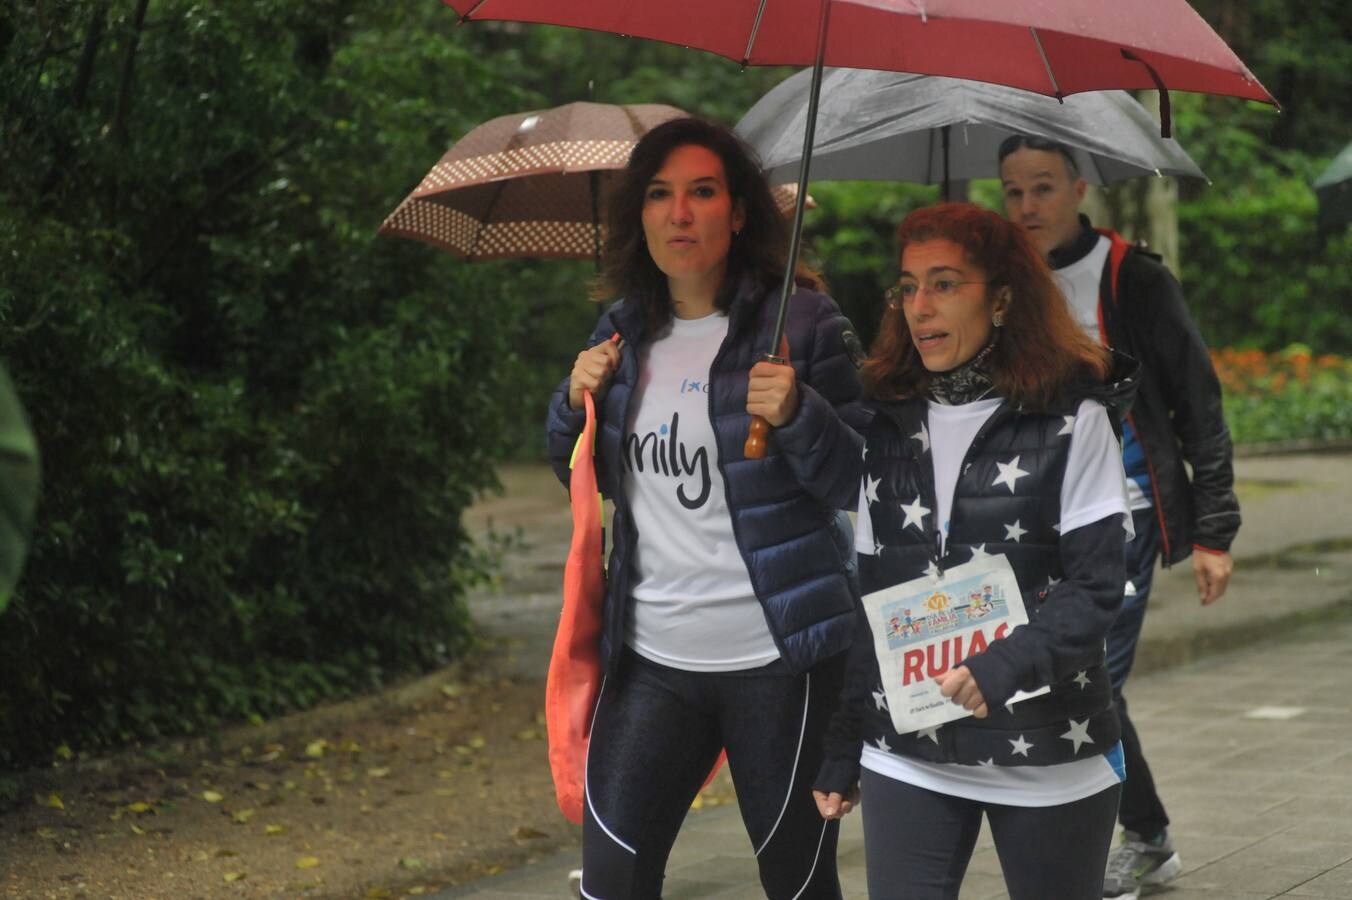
{"x": 1053, "y": 47}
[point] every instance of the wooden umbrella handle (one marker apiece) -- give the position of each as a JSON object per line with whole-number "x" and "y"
{"x": 758, "y": 434}
{"x": 757, "y": 438}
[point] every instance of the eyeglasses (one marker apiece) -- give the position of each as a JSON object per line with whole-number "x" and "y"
{"x": 940, "y": 287}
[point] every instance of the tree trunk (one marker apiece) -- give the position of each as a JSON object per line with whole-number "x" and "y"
{"x": 119, "y": 123}
{"x": 1143, "y": 209}
{"x": 84, "y": 70}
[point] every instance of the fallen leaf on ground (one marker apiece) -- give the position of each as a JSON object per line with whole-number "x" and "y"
{"x": 243, "y": 816}
{"x": 272, "y": 830}
{"x": 379, "y": 772}
{"x": 138, "y": 807}
{"x": 307, "y": 862}
{"x": 315, "y": 749}
{"x": 232, "y": 876}
{"x": 52, "y": 801}
{"x": 212, "y": 796}
{"x": 526, "y": 833}
{"x": 408, "y": 862}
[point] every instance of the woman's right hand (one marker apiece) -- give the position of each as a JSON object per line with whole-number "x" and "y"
{"x": 592, "y": 371}
{"x": 833, "y": 805}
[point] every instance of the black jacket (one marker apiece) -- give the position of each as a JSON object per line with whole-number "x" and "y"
{"x": 784, "y": 506}
{"x": 1177, "y": 415}
{"x": 1071, "y": 586}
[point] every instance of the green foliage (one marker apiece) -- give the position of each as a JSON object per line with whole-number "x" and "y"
{"x": 1255, "y": 267}
{"x": 259, "y": 422}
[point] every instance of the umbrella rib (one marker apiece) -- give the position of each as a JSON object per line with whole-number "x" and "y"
{"x": 755, "y": 31}
{"x": 1046, "y": 64}
{"x": 465, "y": 16}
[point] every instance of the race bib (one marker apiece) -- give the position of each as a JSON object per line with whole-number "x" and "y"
{"x": 928, "y": 625}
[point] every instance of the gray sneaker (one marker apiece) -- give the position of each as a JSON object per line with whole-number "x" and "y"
{"x": 1137, "y": 863}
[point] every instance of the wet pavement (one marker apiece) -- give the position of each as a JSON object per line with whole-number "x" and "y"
{"x": 1243, "y": 707}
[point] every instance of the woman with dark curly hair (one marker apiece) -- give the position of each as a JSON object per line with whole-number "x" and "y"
{"x": 729, "y": 603}
{"x": 993, "y": 443}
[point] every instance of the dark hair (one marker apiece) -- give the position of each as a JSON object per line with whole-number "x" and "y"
{"x": 1033, "y": 142}
{"x": 1040, "y": 349}
{"x": 628, "y": 270}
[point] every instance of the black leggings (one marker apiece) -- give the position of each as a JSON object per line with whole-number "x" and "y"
{"x": 656, "y": 735}
{"x": 917, "y": 842}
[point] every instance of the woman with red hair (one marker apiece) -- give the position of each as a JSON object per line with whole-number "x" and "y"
{"x": 994, "y": 442}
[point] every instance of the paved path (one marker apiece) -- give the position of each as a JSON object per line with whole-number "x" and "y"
{"x": 1243, "y": 707}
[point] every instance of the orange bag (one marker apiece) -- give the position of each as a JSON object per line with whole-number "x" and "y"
{"x": 575, "y": 673}
{"x": 574, "y": 680}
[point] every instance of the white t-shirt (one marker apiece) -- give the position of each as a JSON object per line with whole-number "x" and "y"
{"x": 1080, "y": 282}
{"x": 1094, "y": 488}
{"x": 694, "y": 606}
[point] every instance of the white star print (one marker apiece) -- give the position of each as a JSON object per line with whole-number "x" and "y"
{"x": 1020, "y": 747}
{"x": 922, "y": 436}
{"x": 1068, "y": 427}
{"x": 1082, "y": 680}
{"x": 1015, "y": 532}
{"x": 1052, "y": 581}
{"x": 931, "y": 733}
{"x": 1009, "y": 473}
{"x": 882, "y": 743}
{"x": 915, "y": 513}
{"x": 880, "y": 698}
{"x": 932, "y": 570}
{"x": 979, "y": 552}
{"x": 987, "y": 762}
{"x": 1130, "y": 590}
{"x": 877, "y": 549}
{"x": 865, "y": 454}
{"x": 1078, "y": 734}
{"x": 871, "y": 488}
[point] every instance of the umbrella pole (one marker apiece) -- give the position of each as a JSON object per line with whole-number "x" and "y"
{"x": 945, "y": 192}
{"x": 760, "y": 429}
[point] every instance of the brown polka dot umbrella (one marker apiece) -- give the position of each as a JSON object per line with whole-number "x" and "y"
{"x": 526, "y": 184}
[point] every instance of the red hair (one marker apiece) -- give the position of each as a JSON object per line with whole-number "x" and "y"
{"x": 1040, "y": 349}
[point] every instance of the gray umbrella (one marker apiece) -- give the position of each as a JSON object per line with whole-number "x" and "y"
{"x": 889, "y": 126}
{"x": 1333, "y": 187}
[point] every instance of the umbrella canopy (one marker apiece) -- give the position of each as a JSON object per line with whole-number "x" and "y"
{"x": 526, "y": 184}
{"x": 1054, "y": 47}
{"x": 1333, "y": 187}
{"x": 888, "y": 126}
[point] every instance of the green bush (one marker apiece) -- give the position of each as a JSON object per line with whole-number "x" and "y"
{"x": 259, "y": 422}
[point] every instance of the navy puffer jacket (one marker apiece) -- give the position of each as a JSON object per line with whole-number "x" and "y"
{"x": 783, "y": 506}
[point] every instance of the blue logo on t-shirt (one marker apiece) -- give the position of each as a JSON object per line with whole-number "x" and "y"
{"x": 670, "y": 457}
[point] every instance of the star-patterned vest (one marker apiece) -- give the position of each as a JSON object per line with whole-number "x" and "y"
{"x": 1007, "y": 501}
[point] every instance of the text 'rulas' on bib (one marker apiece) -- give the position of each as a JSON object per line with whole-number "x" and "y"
{"x": 926, "y": 626}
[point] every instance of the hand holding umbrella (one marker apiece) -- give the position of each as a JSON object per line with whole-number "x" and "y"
{"x": 771, "y": 398}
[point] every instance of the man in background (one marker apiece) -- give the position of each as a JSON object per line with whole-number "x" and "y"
{"x": 1127, "y": 299}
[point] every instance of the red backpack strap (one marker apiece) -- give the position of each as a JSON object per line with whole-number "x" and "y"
{"x": 1117, "y": 252}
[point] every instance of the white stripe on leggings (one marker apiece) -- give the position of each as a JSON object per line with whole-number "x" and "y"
{"x": 586, "y": 775}
{"x": 788, "y": 795}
